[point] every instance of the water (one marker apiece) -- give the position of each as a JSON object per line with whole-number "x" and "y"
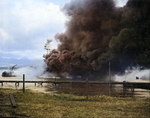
{"x": 80, "y": 88}
{"x": 100, "y": 89}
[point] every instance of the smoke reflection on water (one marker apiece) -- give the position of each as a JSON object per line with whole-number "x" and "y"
{"x": 99, "y": 89}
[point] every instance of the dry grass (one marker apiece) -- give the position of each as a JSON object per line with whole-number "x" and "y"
{"x": 67, "y": 105}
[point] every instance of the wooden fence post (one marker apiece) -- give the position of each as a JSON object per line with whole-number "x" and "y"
{"x": 55, "y": 81}
{"x": 12, "y": 100}
{"x": 23, "y": 83}
{"x": 87, "y": 88}
{"x": 110, "y": 90}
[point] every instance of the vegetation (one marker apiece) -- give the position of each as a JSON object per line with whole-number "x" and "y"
{"x": 31, "y": 104}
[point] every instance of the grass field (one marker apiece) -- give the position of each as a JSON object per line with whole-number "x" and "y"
{"x": 31, "y": 104}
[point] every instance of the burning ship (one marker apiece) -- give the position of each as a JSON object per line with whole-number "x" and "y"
{"x": 9, "y": 73}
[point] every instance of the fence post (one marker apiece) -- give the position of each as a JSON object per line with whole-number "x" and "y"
{"x": 23, "y": 83}
{"x": 110, "y": 90}
{"x": 124, "y": 88}
{"x": 12, "y": 100}
{"x": 87, "y": 89}
{"x": 70, "y": 87}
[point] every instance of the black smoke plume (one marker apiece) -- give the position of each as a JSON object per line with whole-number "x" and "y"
{"x": 98, "y": 32}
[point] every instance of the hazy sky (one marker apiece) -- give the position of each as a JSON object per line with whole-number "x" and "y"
{"x": 25, "y": 26}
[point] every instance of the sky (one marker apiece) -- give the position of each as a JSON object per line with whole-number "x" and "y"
{"x": 25, "y": 26}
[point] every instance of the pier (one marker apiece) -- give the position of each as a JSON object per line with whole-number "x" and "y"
{"x": 132, "y": 85}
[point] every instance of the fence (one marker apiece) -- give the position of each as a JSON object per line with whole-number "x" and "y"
{"x": 90, "y": 87}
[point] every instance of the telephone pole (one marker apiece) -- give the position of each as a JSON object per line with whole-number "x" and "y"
{"x": 109, "y": 73}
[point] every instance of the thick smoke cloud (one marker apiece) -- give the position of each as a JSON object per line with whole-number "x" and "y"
{"x": 98, "y": 32}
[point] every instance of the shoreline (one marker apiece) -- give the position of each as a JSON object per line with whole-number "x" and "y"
{"x": 138, "y": 93}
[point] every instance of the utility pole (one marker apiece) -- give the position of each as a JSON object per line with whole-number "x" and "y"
{"x": 110, "y": 87}
{"x": 149, "y": 75}
{"x": 109, "y": 74}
